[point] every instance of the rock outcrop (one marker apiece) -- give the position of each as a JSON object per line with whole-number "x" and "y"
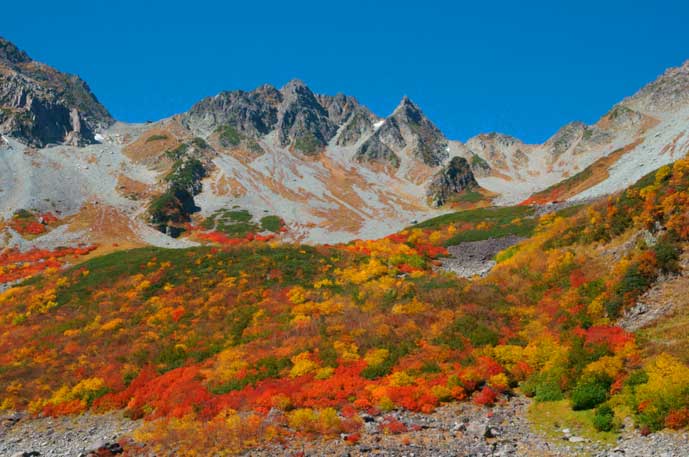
{"x": 253, "y": 113}
{"x": 40, "y": 105}
{"x": 303, "y": 123}
{"x": 454, "y": 178}
{"x": 406, "y": 130}
{"x": 360, "y": 124}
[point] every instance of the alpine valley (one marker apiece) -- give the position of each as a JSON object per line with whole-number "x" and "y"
{"x": 280, "y": 272}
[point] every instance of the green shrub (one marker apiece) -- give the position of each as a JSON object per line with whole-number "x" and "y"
{"x": 23, "y": 214}
{"x": 156, "y": 138}
{"x": 543, "y": 387}
{"x": 308, "y": 144}
{"x": 667, "y": 255}
{"x": 636, "y": 378}
{"x": 271, "y": 223}
{"x": 589, "y": 393}
{"x": 200, "y": 143}
{"x": 470, "y": 328}
{"x": 241, "y": 215}
{"x": 548, "y": 391}
{"x": 603, "y": 419}
{"x": 178, "y": 152}
{"x": 187, "y": 175}
{"x": 229, "y": 136}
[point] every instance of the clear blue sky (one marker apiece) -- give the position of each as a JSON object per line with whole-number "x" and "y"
{"x": 519, "y": 67}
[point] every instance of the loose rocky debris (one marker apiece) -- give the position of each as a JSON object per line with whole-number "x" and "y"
{"x": 668, "y": 295}
{"x": 87, "y": 435}
{"x": 454, "y": 430}
{"x": 458, "y": 429}
{"x": 464, "y": 429}
{"x": 473, "y": 258}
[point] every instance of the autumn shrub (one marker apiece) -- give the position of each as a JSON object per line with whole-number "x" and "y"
{"x": 485, "y": 397}
{"x": 543, "y": 387}
{"x": 636, "y": 377}
{"x": 590, "y": 392}
{"x": 677, "y": 418}
{"x": 393, "y": 426}
{"x": 667, "y": 252}
{"x": 603, "y": 419}
{"x": 477, "y": 332}
{"x": 666, "y": 390}
{"x": 271, "y": 223}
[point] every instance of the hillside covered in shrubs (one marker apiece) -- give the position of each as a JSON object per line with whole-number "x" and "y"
{"x": 221, "y": 347}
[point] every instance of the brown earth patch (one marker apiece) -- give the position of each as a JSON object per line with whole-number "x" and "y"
{"x": 224, "y": 185}
{"x": 133, "y": 189}
{"x": 150, "y": 145}
{"x": 105, "y": 226}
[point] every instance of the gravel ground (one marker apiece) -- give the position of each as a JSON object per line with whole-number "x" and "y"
{"x": 464, "y": 429}
{"x": 63, "y": 436}
{"x": 458, "y": 429}
{"x": 473, "y": 258}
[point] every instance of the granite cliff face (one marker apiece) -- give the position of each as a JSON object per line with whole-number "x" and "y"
{"x": 40, "y": 105}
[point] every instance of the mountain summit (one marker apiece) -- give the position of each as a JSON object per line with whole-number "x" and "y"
{"x": 42, "y": 105}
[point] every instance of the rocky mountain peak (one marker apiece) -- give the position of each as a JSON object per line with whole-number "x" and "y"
{"x": 40, "y": 105}
{"x": 303, "y": 122}
{"x": 669, "y": 92}
{"x": 407, "y": 127}
{"x": 408, "y": 110}
{"x": 566, "y": 138}
{"x": 11, "y": 53}
{"x": 252, "y": 114}
{"x": 294, "y": 85}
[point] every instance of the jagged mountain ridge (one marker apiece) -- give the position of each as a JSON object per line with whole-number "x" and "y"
{"x": 328, "y": 166}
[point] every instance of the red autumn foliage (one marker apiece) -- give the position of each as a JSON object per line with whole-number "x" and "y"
{"x": 16, "y": 265}
{"x": 353, "y": 438}
{"x": 486, "y": 397}
{"x": 392, "y": 426}
{"x": 677, "y": 419}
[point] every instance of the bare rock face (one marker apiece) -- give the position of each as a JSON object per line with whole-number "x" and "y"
{"x": 407, "y": 128}
{"x": 302, "y": 121}
{"x": 358, "y": 125}
{"x": 428, "y": 143}
{"x": 374, "y": 150}
{"x": 252, "y": 114}
{"x": 566, "y": 138}
{"x": 339, "y": 107}
{"x": 454, "y": 178}
{"x": 381, "y": 146}
{"x": 40, "y": 105}
{"x": 498, "y": 149}
{"x": 666, "y": 94}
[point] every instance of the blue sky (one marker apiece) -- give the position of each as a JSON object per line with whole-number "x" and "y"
{"x": 522, "y": 67}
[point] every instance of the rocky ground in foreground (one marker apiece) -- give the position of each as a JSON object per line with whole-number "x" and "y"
{"x": 85, "y": 435}
{"x": 460, "y": 429}
{"x": 467, "y": 430}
